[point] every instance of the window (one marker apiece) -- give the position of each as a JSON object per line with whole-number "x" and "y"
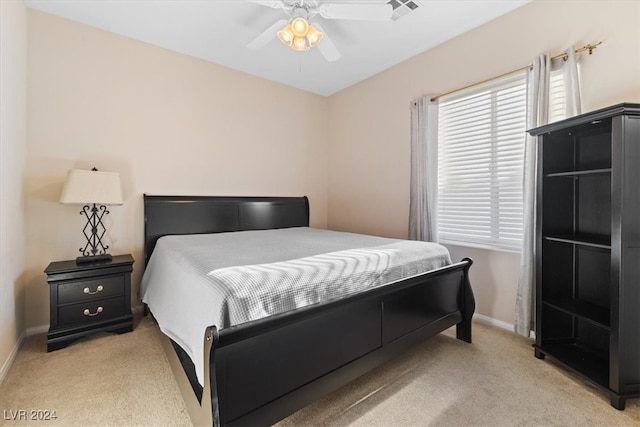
{"x": 482, "y": 131}
{"x": 481, "y": 136}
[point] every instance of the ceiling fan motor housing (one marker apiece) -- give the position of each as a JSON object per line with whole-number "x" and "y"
{"x": 300, "y": 11}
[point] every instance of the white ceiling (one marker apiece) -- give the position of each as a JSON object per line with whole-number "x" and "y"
{"x": 218, "y": 31}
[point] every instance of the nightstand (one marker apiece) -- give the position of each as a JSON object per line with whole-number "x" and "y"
{"x": 88, "y": 298}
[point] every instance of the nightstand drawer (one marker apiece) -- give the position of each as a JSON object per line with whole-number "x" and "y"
{"x": 86, "y": 290}
{"x": 91, "y": 311}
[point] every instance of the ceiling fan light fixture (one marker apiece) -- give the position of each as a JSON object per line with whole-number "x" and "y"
{"x": 299, "y": 34}
{"x": 286, "y": 35}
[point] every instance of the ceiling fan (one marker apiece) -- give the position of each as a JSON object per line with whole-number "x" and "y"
{"x": 300, "y": 33}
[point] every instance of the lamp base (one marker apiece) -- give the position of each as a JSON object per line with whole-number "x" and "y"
{"x": 93, "y": 258}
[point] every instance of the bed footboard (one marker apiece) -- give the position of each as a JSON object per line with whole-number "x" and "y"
{"x": 265, "y": 370}
{"x": 468, "y": 306}
{"x": 202, "y": 411}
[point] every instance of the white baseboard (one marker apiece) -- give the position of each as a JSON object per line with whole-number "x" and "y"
{"x": 37, "y": 330}
{"x": 498, "y": 323}
{"x": 12, "y": 356}
{"x": 493, "y": 322}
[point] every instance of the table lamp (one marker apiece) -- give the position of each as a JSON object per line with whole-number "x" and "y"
{"x": 95, "y": 190}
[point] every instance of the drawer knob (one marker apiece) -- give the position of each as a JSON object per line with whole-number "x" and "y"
{"x": 89, "y": 313}
{"x": 100, "y": 288}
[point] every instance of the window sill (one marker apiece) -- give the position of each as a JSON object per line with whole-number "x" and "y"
{"x": 479, "y": 246}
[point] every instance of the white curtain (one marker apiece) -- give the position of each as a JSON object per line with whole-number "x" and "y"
{"x": 572, "y": 83}
{"x": 537, "y": 115}
{"x": 424, "y": 170}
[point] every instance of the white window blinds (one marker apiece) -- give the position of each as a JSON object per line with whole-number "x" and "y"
{"x": 480, "y": 161}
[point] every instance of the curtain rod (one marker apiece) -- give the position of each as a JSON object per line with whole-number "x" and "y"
{"x": 588, "y": 47}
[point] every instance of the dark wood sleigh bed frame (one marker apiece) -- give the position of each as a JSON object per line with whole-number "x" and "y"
{"x": 262, "y": 371}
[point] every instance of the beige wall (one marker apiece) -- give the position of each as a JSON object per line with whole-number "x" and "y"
{"x": 169, "y": 123}
{"x": 13, "y": 131}
{"x": 369, "y": 122}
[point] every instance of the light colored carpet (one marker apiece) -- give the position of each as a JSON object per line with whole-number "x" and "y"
{"x": 125, "y": 380}
{"x": 104, "y": 379}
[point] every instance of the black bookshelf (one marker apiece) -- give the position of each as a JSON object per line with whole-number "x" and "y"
{"x": 588, "y": 247}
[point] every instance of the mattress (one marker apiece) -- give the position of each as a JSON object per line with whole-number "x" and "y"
{"x": 227, "y": 279}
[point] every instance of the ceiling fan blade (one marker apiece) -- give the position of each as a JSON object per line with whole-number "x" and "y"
{"x": 273, "y": 4}
{"x": 326, "y": 46}
{"x": 267, "y": 35}
{"x": 356, "y": 12}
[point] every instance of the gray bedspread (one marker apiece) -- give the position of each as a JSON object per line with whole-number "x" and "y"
{"x": 226, "y": 279}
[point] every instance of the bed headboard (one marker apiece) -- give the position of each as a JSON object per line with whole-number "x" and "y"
{"x": 215, "y": 214}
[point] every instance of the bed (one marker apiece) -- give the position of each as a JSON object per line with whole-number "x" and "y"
{"x": 247, "y": 357}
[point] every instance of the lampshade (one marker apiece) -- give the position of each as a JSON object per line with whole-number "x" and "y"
{"x": 314, "y": 36}
{"x": 299, "y": 26}
{"x": 286, "y": 35}
{"x": 91, "y": 186}
{"x": 300, "y": 44}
